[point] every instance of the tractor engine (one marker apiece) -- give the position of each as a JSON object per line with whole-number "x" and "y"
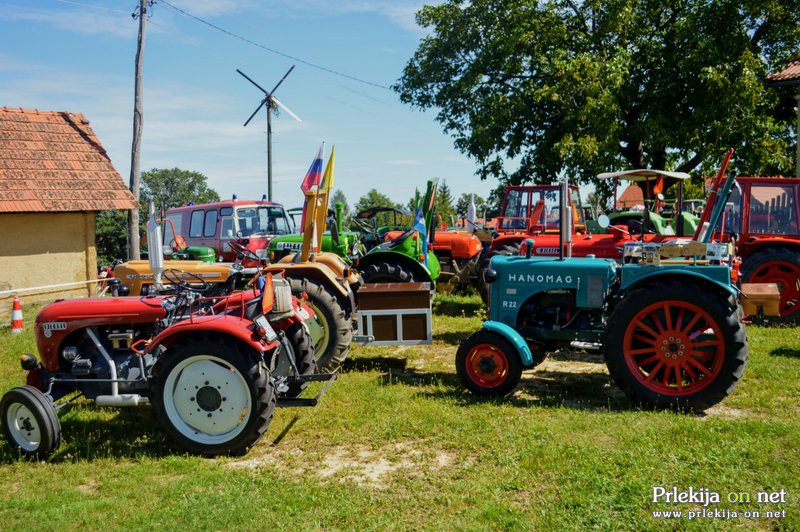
{"x": 556, "y": 310}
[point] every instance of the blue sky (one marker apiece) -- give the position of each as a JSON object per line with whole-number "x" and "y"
{"x": 78, "y": 56}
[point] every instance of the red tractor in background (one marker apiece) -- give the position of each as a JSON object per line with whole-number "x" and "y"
{"x": 763, "y": 213}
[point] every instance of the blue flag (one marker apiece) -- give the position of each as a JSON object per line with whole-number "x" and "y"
{"x": 421, "y": 228}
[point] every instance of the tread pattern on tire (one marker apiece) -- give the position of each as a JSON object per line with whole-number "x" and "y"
{"x": 298, "y": 337}
{"x": 725, "y": 309}
{"x": 387, "y": 270}
{"x": 253, "y": 369}
{"x": 51, "y": 429}
{"x": 340, "y": 328}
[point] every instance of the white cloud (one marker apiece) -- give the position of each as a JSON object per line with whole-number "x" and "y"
{"x": 78, "y": 20}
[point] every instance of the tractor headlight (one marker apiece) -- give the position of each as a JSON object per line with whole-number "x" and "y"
{"x": 490, "y": 275}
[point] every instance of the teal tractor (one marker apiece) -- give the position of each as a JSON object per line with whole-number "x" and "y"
{"x": 670, "y": 328}
{"x": 346, "y": 244}
{"x": 406, "y": 256}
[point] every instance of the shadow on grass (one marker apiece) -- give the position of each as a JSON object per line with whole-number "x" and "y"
{"x": 581, "y": 391}
{"x": 456, "y": 306}
{"x": 785, "y": 352}
{"x": 451, "y": 338}
{"x": 367, "y": 363}
{"x": 88, "y": 435}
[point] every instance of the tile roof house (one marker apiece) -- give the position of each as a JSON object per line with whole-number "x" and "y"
{"x": 54, "y": 176}
{"x": 630, "y": 197}
{"x": 788, "y": 76}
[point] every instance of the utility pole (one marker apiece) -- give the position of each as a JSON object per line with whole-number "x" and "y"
{"x": 133, "y": 215}
{"x": 269, "y": 149}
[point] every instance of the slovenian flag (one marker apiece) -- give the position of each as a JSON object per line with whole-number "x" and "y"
{"x": 314, "y": 174}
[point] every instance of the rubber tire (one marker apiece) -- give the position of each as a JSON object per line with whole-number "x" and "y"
{"x": 387, "y": 272}
{"x": 484, "y": 336}
{"x": 339, "y": 326}
{"x": 753, "y": 262}
{"x": 42, "y": 409}
{"x": 252, "y": 368}
{"x": 482, "y": 286}
{"x": 723, "y": 309}
{"x": 300, "y": 340}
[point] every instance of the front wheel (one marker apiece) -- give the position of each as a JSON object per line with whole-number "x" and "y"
{"x": 213, "y": 397}
{"x": 30, "y": 423}
{"x": 676, "y": 345}
{"x": 488, "y": 364}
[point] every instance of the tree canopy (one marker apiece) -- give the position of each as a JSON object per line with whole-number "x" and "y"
{"x": 462, "y": 205}
{"x": 173, "y": 187}
{"x": 532, "y": 90}
{"x": 443, "y": 204}
{"x": 373, "y": 198}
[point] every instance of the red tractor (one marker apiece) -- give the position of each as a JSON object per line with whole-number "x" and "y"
{"x": 212, "y": 367}
{"x": 762, "y": 212}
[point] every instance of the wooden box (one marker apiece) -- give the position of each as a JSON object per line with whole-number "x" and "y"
{"x": 395, "y": 313}
{"x": 764, "y": 296}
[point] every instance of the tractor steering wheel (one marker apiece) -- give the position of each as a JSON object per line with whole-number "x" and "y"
{"x": 241, "y": 249}
{"x": 178, "y": 278}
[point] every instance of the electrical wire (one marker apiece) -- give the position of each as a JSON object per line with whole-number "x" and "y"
{"x": 272, "y": 50}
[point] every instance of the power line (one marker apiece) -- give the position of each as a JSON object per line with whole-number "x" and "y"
{"x": 272, "y": 50}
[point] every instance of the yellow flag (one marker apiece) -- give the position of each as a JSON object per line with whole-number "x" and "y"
{"x": 327, "y": 177}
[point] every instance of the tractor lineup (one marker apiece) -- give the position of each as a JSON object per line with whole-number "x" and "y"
{"x": 238, "y": 308}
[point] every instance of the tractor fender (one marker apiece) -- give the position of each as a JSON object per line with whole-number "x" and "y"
{"x": 418, "y": 268}
{"x": 756, "y": 244}
{"x": 227, "y": 325}
{"x": 508, "y": 332}
{"x": 681, "y": 275}
{"x": 312, "y": 270}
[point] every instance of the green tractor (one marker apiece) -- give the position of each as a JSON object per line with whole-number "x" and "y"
{"x": 346, "y": 244}
{"x": 405, "y": 257}
{"x": 667, "y": 319}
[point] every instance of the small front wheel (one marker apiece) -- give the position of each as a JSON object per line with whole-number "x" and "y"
{"x": 488, "y": 364}
{"x": 30, "y": 423}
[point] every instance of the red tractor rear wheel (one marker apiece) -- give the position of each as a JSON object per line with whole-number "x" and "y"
{"x": 676, "y": 345}
{"x": 780, "y": 266}
{"x": 488, "y": 364}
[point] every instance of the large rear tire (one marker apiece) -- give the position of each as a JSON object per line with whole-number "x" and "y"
{"x": 676, "y": 345}
{"x": 334, "y": 345}
{"x": 30, "y": 423}
{"x": 213, "y": 397}
{"x": 388, "y": 272}
{"x": 780, "y": 266}
{"x": 488, "y": 364}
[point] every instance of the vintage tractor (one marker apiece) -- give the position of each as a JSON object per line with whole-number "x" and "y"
{"x": 213, "y": 368}
{"x": 403, "y": 256}
{"x": 671, "y": 329}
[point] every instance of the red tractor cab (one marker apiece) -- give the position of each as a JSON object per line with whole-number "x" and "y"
{"x": 216, "y": 225}
{"x": 762, "y": 213}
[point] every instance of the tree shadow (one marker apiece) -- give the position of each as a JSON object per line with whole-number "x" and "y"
{"x": 785, "y": 352}
{"x": 543, "y": 388}
{"x": 458, "y": 306}
{"x": 452, "y": 338}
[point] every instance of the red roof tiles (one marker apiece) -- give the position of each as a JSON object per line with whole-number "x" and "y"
{"x": 52, "y": 161}
{"x": 789, "y": 74}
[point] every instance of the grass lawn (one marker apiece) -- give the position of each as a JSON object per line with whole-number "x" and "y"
{"x": 396, "y": 443}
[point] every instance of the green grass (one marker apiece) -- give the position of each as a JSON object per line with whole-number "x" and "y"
{"x": 396, "y": 443}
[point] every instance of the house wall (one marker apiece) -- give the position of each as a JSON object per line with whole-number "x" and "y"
{"x": 43, "y": 249}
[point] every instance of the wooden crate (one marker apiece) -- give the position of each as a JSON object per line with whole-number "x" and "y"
{"x": 395, "y": 313}
{"x": 763, "y": 296}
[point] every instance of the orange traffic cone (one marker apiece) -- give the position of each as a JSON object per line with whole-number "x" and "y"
{"x": 16, "y": 317}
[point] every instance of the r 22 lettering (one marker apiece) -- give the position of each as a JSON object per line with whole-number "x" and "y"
{"x": 509, "y": 304}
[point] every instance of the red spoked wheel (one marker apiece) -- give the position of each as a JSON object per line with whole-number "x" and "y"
{"x": 787, "y": 276}
{"x": 488, "y": 364}
{"x": 674, "y": 348}
{"x": 676, "y": 344}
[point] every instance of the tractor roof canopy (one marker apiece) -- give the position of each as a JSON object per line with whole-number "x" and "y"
{"x": 643, "y": 174}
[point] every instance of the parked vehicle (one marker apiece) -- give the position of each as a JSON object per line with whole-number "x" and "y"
{"x": 215, "y": 225}
{"x": 671, "y": 330}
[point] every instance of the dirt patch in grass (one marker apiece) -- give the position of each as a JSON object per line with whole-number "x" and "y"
{"x": 366, "y": 466}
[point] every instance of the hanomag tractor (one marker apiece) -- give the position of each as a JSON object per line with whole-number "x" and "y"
{"x": 670, "y": 330}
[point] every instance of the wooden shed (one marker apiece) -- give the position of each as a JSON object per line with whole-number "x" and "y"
{"x": 54, "y": 176}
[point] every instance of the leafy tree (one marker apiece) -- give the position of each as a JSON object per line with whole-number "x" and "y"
{"x": 373, "y": 198}
{"x": 167, "y": 188}
{"x": 111, "y": 230}
{"x": 533, "y": 89}
{"x": 174, "y": 187}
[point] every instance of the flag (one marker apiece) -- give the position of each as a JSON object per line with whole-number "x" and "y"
{"x": 421, "y": 229}
{"x": 327, "y": 178}
{"x": 658, "y": 188}
{"x": 314, "y": 174}
{"x": 471, "y": 213}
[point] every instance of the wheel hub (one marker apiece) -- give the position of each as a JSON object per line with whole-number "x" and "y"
{"x": 23, "y": 427}
{"x": 209, "y": 399}
{"x": 487, "y": 365}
